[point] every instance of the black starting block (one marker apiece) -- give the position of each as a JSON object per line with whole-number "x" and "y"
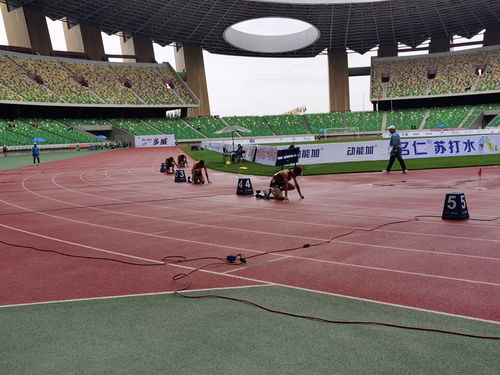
{"x": 455, "y": 207}
{"x": 180, "y": 176}
{"x": 162, "y": 168}
{"x": 244, "y": 187}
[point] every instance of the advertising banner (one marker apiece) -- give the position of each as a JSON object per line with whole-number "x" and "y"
{"x": 159, "y": 140}
{"x": 445, "y": 133}
{"x": 412, "y": 149}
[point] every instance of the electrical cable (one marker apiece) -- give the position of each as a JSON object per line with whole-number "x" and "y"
{"x": 310, "y": 317}
{"x": 241, "y": 259}
{"x": 82, "y": 256}
{"x": 333, "y": 321}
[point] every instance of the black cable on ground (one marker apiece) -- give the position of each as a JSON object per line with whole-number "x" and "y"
{"x": 241, "y": 259}
{"x": 333, "y": 321}
{"x": 82, "y": 256}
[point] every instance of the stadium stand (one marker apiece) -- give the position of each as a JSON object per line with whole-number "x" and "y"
{"x": 408, "y": 77}
{"x": 365, "y": 121}
{"x": 455, "y": 73}
{"x": 134, "y": 126}
{"x": 148, "y": 82}
{"x": 172, "y": 78}
{"x": 319, "y": 121}
{"x": 26, "y": 132}
{"x": 490, "y": 80}
{"x": 174, "y": 126}
{"x": 58, "y": 80}
{"x": 449, "y": 73}
{"x": 15, "y": 78}
{"x": 254, "y": 123}
{"x": 208, "y": 126}
{"x": 84, "y": 121}
{"x": 286, "y": 124}
{"x": 449, "y": 117}
{"x": 59, "y": 128}
{"x": 30, "y": 78}
{"x": 104, "y": 82}
{"x": 495, "y": 122}
{"x": 409, "y": 119}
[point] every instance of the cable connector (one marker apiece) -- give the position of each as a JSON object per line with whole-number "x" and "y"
{"x": 234, "y": 258}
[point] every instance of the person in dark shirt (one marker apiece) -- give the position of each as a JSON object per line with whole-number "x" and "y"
{"x": 35, "y": 152}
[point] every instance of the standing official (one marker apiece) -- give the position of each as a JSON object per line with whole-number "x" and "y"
{"x": 395, "y": 150}
{"x": 35, "y": 152}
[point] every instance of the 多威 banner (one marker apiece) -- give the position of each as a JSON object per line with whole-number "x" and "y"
{"x": 159, "y": 140}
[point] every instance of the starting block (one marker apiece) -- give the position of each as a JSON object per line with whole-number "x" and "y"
{"x": 455, "y": 207}
{"x": 180, "y": 176}
{"x": 244, "y": 187}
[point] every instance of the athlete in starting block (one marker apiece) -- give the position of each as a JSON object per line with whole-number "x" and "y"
{"x": 182, "y": 161}
{"x": 197, "y": 173}
{"x": 169, "y": 165}
{"x": 281, "y": 183}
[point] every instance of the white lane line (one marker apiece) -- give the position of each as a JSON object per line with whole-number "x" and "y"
{"x": 274, "y": 219}
{"x": 80, "y": 245}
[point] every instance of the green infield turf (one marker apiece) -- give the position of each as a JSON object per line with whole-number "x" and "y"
{"x": 12, "y": 161}
{"x": 216, "y": 161}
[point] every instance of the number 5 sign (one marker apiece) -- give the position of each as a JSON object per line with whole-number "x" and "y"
{"x": 455, "y": 207}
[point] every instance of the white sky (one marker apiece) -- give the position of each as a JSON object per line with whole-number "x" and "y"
{"x": 254, "y": 86}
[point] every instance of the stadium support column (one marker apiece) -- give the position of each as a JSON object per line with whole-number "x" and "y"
{"x": 86, "y": 39}
{"x": 491, "y": 36}
{"x": 141, "y": 48}
{"x": 189, "y": 59}
{"x": 27, "y": 27}
{"x": 439, "y": 44}
{"x": 338, "y": 73}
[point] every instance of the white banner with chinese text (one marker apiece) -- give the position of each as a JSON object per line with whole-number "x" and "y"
{"x": 159, "y": 140}
{"x": 379, "y": 150}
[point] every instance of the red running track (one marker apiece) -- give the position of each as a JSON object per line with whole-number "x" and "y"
{"x": 117, "y": 205}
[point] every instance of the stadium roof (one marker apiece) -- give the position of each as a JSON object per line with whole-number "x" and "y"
{"x": 359, "y": 26}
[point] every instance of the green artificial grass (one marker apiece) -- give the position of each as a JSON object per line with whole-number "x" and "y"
{"x": 214, "y": 160}
{"x": 12, "y": 160}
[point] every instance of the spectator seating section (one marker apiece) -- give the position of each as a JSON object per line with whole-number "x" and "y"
{"x": 255, "y": 124}
{"x": 65, "y": 131}
{"x": 134, "y": 126}
{"x": 456, "y": 73}
{"x": 408, "y": 119}
{"x": 365, "y": 121}
{"x": 287, "y": 124}
{"x": 208, "y": 126}
{"x": 29, "y": 78}
{"x": 408, "y": 77}
{"x": 451, "y": 117}
{"x": 148, "y": 82}
{"x": 495, "y": 122}
{"x": 168, "y": 73}
{"x": 317, "y": 121}
{"x": 490, "y": 80}
{"x": 174, "y": 126}
{"x": 61, "y": 129}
